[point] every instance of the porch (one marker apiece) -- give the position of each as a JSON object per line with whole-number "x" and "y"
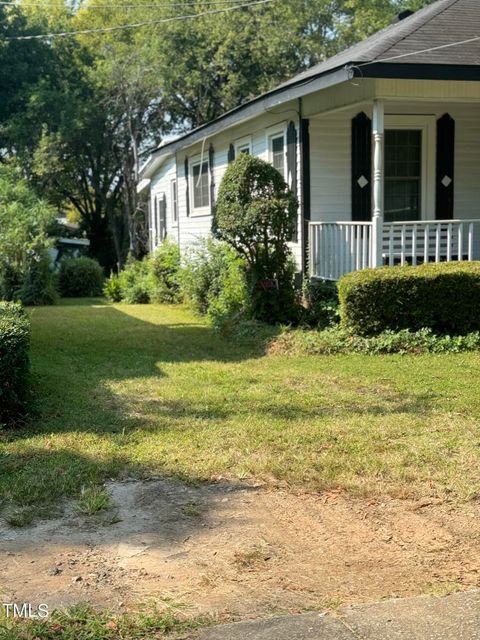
{"x": 337, "y": 248}
{"x": 411, "y": 186}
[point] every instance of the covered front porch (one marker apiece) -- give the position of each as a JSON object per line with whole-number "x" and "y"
{"x": 396, "y": 180}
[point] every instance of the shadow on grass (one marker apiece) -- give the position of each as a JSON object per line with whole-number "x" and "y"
{"x": 94, "y": 364}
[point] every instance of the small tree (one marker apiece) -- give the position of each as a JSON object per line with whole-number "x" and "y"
{"x": 256, "y": 214}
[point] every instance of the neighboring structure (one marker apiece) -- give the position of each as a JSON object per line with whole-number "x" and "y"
{"x": 381, "y": 144}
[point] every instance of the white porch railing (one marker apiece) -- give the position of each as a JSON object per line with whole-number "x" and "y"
{"x": 337, "y": 248}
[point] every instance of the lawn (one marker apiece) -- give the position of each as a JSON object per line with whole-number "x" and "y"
{"x": 148, "y": 390}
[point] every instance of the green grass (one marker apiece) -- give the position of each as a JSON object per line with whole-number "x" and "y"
{"x": 144, "y": 390}
{"x": 82, "y": 622}
{"x": 93, "y": 500}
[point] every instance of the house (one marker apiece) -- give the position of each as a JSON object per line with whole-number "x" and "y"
{"x": 381, "y": 144}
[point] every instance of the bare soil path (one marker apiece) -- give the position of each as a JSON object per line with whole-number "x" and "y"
{"x": 240, "y": 551}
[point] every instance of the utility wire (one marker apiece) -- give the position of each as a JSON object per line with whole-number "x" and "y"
{"x": 46, "y": 36}
{"x": 187, "y": 3}
{"x": 416, "y": 53}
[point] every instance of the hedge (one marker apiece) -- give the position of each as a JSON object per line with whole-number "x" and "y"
{"x": 80, "y": 278}
{"x": 14, "y": 361}
{"x": 444, "y": 297}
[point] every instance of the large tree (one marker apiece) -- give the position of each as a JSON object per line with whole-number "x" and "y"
{"x": 79, "y": 111}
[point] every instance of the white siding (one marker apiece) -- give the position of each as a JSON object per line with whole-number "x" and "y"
{"x": 194, "y": 227}
{"x": 162, "y": 184}
{"x": 330, "y": 157}
{"x": 330, "y": 167}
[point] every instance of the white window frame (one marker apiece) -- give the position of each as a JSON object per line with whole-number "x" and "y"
{"x": 243, "y": 143}
{"x": 174, "y": 200}
{"x": 425, "y": 124}
{"x": 272, "y": 133}
{"x": 193, "y": 162}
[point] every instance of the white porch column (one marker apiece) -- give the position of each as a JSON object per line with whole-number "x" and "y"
{"x": 378, "y": 176}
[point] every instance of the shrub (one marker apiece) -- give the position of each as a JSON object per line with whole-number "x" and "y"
{"x": 321, "y": 304}
{"x": 37, "y": 287}
{"x": 213, "y": 282}
{"x": 165, "y": 267}
{"x": 80, "y": 278}
{"x": 337, "y": 340}
{"x": 442, "y": 297}
{"x": 135, "y": 281}
{"x": 14, "y": 362}
{"x": 256, "y": 214}
{"x": 10, "y": 281}
{"x": 112, "y": 289}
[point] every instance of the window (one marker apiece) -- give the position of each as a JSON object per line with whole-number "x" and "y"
{"x": 174, "y": 202}
{"x": 403, "y": 174}
{"x": 200, "y": 187}
{"x": 243, "y": 146}
{"x": 277, "y": 152}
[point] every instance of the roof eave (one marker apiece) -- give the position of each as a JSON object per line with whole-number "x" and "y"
{"x": 249, "y": 110}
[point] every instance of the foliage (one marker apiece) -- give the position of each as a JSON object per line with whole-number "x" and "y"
{"x": 337, "y": 340}
{"x": 213, "y": 282}
{"x": 14, "y": 361}
{"x": 443, "y": 297}
{"x": 10, "y": 280}
{"x": 165, "y": 266}
{"x": 112, "y": 289}
{"x": 136, "y": 282}
{"x": 80, "y": 278}
{"x": 320, "y": 304}
{"x": 256, "y": 214}
{"x": 38, "y": 286}
{"x": 24, "y": 218}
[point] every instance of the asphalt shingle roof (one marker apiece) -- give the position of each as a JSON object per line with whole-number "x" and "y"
{"x": 438, "y": 24}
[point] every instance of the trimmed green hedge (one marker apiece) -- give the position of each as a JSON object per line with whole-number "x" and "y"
{"x": 14, "y": 361}
{"x": 443, "y": 297}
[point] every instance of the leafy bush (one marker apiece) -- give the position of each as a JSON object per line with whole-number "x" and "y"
{"x": 135, "y": 281}
{"x": 165, "y": 267}
{"x": 213, "y": 282}
{"x": 256, "y": 214}
{"x": 10, "y": 281}
{"x": 24, "y": 218}
{"x": 321, "y": 304}
{"x": 112, "y": 289}
{"x": 80, "y": 278}
{"x": 14, "y": 362}
{"x": 337, "y": 340}
{"x": 38, "y": 286}
{"x": 442, "y": 297}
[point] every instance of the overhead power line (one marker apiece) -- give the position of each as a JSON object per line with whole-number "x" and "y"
{"x": 160, "y": 5}
{"x": 121, "y": 27}
{"x": 417, "y": 53}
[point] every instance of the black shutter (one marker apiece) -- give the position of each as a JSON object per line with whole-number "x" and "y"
{"x": 361, "y": 168}
{"x": 231, "y": 153}
{"x": 211, "y": 167}
{"x": 163, "y": 217}
{"x": 306, "y": 213}
{"x": 187, "y": 190}
{"x": 292, "y": 156}
{"x": 445, "y": 167}
{"x": 292, "y": 166}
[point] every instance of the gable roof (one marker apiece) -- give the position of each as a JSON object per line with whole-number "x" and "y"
{"x": 408, "y": 40}
{"x": 413, "y": 41}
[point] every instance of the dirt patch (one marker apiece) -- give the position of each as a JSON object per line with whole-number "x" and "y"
{"x": 235, "y": 550}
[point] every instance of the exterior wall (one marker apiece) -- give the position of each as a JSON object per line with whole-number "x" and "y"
{"x": 162, "y": 184}
{"x": 197, "y": 225}
{"x": 330, "y": 156}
